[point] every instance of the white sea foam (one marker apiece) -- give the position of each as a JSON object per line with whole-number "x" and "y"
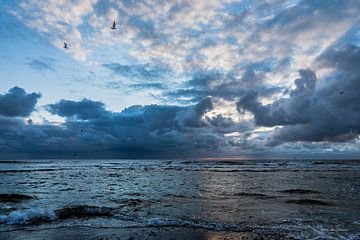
{"x": 28, "y": 216}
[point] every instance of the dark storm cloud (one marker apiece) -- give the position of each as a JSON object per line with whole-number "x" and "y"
{"x": 294, "y": 110}
{"x": 221, "y": 121}
{"x": 229, "y": 85}
{"x": 84, "y": 110}
{"x": 24, "y": 139}
{"x": 192, "y": 117}
{"x": 327, "y": 110}
{"x": 91, "y": 130}
{"x": 17, "y": 103}
{"x": 309, "y": 13}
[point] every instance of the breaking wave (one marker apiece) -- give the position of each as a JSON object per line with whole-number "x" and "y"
{"x": 14, "y": 197}
{"x": 298, "y": 191}
{"x": 296, "y": 230}
{"x": 38, "y": 215}
{"x": 311, "y": 202}
{"x": 83, "y": 211}
{"x": 29, "y": 216}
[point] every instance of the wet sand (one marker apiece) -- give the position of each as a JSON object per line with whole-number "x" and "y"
{"x": 148, "y": 233}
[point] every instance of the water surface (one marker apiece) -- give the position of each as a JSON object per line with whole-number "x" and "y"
{"x": 303, "y": 199}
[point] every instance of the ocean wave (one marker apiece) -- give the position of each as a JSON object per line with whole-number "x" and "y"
{"x": 309, "y": 202}
{"x": 83, "y": 211}
{"x": 298, "y": 191}
{"x": 254, "y": 195}
{"x": 14, "y": 197}
{"x": 134, "y": 204}
{"x": 38, "y": 215}
{"x": 31, "y": 215}
{"x": 285, "y": 229}
{"x": 170, "y": 195}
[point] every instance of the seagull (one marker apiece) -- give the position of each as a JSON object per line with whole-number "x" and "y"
{"x": 65, "y": 45}
{"x": 341, "y": 92}
{"x": 113, "y": 26}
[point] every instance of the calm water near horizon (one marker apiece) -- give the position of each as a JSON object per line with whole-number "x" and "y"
{"x": 302, "y": 199}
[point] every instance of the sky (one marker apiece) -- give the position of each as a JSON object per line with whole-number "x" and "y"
{"x": 180, "y": 79}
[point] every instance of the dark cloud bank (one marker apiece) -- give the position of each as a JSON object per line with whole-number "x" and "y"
{"x": 315, "y": 111}
{"x": 92, "y": 131}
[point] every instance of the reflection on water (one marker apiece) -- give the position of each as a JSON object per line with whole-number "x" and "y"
{"x": 300, "y": 198}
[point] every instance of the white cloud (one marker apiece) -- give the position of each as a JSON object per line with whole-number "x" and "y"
{"x": 60, "y": 21}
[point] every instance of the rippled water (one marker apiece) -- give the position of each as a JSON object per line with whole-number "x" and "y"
{"x": 304, "y": 199}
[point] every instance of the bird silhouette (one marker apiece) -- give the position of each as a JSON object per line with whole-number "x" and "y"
{"x": 65, "y": 45}
{"x": 113, "y": 26}
{"x": 341, "y": 92}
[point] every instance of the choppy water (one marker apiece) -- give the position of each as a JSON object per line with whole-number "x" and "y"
{"x": 303, "y": 199}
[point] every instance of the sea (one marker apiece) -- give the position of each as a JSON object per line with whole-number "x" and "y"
{"x": 277, "y": 199}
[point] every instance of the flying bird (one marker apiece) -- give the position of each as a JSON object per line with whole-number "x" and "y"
{"x": 341, "y": 92}
{"x": 65, "y": 45}
{"x": 113, "y": 26}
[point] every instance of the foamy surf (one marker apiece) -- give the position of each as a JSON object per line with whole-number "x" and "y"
{"x": 28, "y": 216}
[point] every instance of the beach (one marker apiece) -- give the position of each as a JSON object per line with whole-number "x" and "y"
{"x": 149, "y": 233}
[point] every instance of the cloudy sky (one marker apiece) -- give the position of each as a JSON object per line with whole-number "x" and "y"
{"x": 265, "y": 78}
